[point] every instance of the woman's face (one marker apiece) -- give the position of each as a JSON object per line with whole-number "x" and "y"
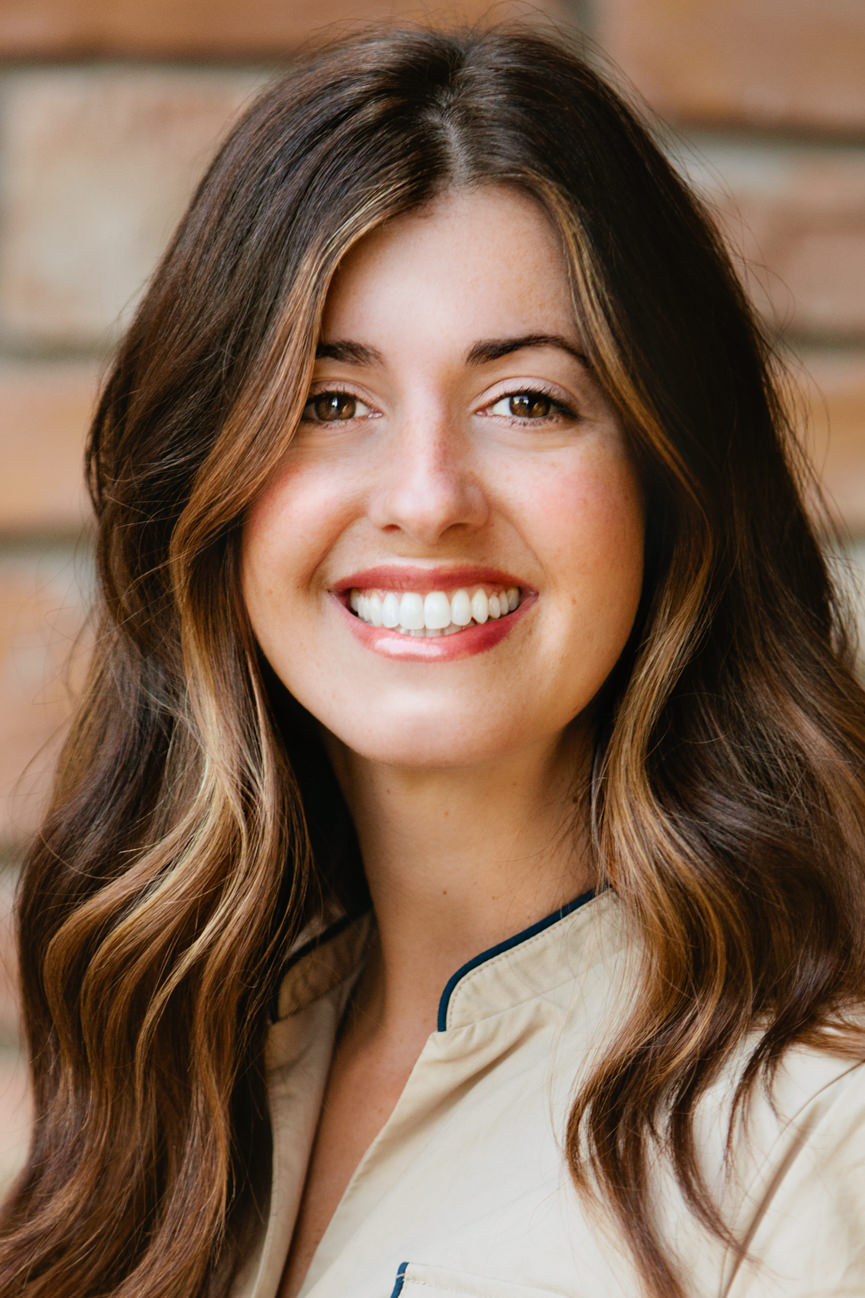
{"x": 447, "y": 563}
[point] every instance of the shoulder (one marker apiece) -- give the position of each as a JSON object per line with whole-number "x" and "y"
{"x": 792, "y": 1182}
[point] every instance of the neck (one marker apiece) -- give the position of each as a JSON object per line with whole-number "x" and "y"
{"x": 458, "y": 860}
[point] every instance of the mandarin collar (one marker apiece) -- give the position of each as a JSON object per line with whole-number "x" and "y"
{"x": 520, "y": 968}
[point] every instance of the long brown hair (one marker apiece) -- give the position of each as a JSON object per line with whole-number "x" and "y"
{"x": 195, "y": 827}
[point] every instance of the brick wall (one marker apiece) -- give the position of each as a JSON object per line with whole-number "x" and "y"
{"x": 765, "y": 102}
{"x": 108, "y": 112}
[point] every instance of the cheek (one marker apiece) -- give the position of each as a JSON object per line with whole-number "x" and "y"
{"x": 591, "y": 527}
{"x": 288, "y": 529}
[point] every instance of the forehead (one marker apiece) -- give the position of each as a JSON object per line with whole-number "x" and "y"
{"x": 475, "y": 259}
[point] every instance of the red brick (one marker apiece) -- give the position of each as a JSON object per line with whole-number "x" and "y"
{"x": 98, "y": 166}
{"x": 41, "y": 613}
{"x": 14, "y": 1115}
{"x": 8, "y": 966}
{"x": 44, "y": 412}
{"x": 833, "y": 387}
{"x": 766, "y": 62}
{"x": 797, "y": 214}
{"x": 217, "y": 27}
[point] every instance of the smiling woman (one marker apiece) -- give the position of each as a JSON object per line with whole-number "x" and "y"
{"x": 397, "y": 526}
{"x": 454, "y": 880}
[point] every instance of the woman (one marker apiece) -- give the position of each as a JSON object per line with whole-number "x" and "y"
{"x": 453, "y": 884}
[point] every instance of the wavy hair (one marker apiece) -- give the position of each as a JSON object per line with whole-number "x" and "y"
{"x": 195, "y": 828}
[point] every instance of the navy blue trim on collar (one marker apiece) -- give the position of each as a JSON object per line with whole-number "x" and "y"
{"x": 538, "y": 927}
{"x": 334, "y": 930}
{"x": 400, "y": 1280}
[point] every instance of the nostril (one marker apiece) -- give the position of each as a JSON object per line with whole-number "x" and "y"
{"x": 426, "y": 506}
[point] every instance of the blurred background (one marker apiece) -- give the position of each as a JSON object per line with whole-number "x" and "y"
{"x": 109, "y": 111}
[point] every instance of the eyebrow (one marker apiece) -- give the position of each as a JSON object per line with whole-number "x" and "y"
{"x": 341, "y": 349}
{"x": 492, "y": 349}
{"x": 482, "y": 353}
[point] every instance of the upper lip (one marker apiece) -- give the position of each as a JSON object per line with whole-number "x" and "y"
{"x": 403, "y": 577}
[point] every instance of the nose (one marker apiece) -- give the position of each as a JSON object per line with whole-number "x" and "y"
{"x": 428, "y": 483}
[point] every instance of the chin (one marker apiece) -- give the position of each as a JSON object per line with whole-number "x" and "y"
{"x": 426, "y": 745}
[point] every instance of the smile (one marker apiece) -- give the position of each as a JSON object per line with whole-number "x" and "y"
{"x": 424, "y": 616}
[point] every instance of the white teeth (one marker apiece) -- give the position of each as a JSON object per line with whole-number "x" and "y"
{"x": 461, "y": 608}
{"x": 389, "y": 610}
{"x": 436, "y": 611}
{"x": 411, "y": 612}
{"x": 480, "y": 607}
{"x": 433, "y": 614}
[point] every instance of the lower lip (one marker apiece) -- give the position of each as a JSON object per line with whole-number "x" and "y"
{"x": 441, "y": 648}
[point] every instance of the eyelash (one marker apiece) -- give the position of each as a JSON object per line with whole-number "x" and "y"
{"x": 329, "y": 392}
{"x": 558, "y": 408}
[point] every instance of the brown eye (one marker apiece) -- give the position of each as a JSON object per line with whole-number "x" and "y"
{"x": 335, "y": 407}
{"x": 328, "y": 406}
{"x": 530, "y": 405}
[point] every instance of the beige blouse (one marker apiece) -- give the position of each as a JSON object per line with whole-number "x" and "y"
{"x": 465, "y": 1192}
